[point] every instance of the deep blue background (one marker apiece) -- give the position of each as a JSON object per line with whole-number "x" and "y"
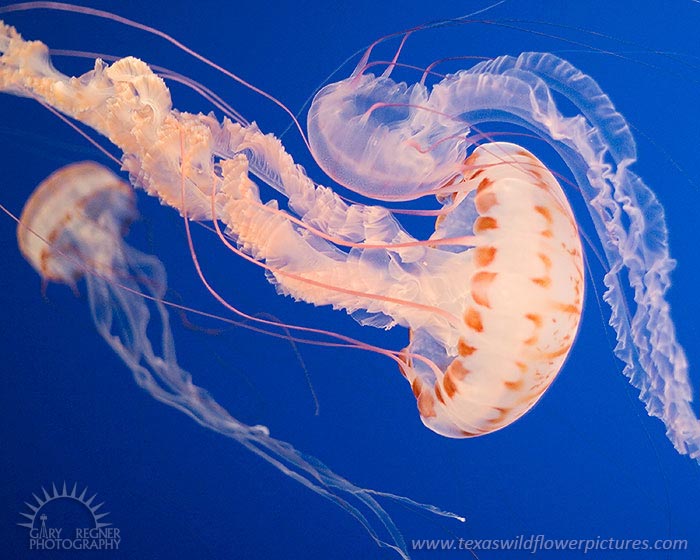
{"x": 586, "y": 462}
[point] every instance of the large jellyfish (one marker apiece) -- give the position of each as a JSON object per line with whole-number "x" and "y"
{"x": 493, "y": 298}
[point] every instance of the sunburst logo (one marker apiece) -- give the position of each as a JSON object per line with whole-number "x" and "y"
{"x": 53, "y": 527}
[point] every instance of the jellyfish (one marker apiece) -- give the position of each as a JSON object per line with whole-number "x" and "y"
{"x": 72, "y": 228}
{"x": 493, "y": 298}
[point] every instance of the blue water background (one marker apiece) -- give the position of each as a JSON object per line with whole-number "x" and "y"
{"x": 586, "y": 462}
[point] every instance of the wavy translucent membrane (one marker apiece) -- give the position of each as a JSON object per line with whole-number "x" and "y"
{"x": 396, "y": 142}
{"x": 85, "y": 209}
{"x": 493, "y": 298}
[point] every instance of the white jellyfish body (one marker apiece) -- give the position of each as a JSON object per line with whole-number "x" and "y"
{"x": 520, "y": 303}
{"x": 383, "y": 139}
{"x": 81, "y": 222}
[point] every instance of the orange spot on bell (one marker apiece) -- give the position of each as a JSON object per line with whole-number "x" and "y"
{"x": 567, "y": 308}
{"x": 472, "y": 318}
{"x": 480, "y": 285}
{"x": 514, "y": 385}
{"x": 545, "y": 213}
{"x": 535, "y": 318}
{"x": 547, "y": 233}
{"x": 416, "y": 387}
{"x": 477, "y": 173}
{"x": 449, "y": 385}
{"x": 484, "y": 184}
{"x": 426, "y": 405}
{"x": 53, "y": 235}
{"x": 465, "y": 349}
{"x": 521, "y": 366}
{"x": 484, "y": 255}
{"x": 485, "y": 223}
{"x": 545, "y": 260}
{"x": 543, "y": 282}
{"x": 438, "y": 394}
{"x": 485, "y": 201}
{"x": 456, "y": 370}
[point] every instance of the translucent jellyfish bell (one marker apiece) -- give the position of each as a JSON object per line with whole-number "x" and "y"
{"x": 383, "y": 139}
{"x": 82, "y": 210}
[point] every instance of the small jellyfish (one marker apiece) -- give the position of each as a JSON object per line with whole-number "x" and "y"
{"x": 72, "y": 229}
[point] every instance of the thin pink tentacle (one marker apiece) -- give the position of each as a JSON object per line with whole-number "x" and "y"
{"x": 25, "y": 6}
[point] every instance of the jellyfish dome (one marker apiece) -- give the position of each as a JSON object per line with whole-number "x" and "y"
{"x": 72, "y": 221}
{"x": 385, "y": 140}
{"x": 522, "y": 305}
